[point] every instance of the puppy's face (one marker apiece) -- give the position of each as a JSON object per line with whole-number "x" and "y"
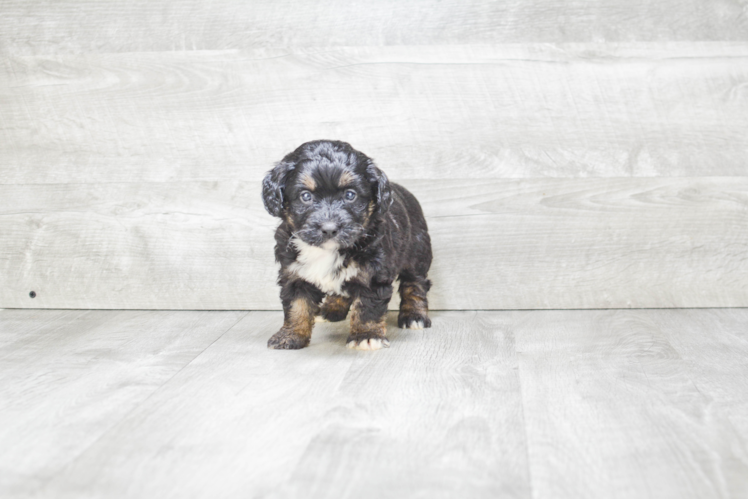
{"x": 327, "y": 192}
{"x": 328, "y": 203}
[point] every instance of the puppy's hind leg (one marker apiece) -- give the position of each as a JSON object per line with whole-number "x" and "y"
{"x": 414, "y": 306}
{"x": 335, "y": 308}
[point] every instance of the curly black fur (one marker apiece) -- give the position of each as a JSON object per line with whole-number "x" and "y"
{"x": 338, "y": 207}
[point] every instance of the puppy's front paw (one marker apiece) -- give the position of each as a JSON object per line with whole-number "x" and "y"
{"x": 367, "y": 341}
{"x": 288, "y": 339}
{"x": 413, "y": 321}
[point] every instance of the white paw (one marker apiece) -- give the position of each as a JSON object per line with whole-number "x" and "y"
{"x": 368, "y": 344}
{"x": 320, "y": 319}
{"x": 415, "y": 325}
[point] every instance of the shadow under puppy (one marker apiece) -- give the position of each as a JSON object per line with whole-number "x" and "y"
{"x": 346, "y": 234}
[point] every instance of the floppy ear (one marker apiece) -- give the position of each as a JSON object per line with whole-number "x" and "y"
{"x": 272, "y": 188}
{"x": 381, "y": 186}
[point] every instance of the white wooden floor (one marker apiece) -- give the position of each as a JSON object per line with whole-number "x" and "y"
{"x": 606, "y": 403}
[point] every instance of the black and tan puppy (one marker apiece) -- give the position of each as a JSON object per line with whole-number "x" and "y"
{"x": 346, "y": 234}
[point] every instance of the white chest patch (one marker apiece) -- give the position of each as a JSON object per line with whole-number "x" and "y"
{"x": 322, "y": 266}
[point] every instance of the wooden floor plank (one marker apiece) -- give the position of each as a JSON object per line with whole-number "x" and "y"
{"x": 139, "y": 246}
{"x": 714, "y": 346}
{"x": 498, "y": 244}
{"x": 437, "y": 415}
{"x": 476, "y": 111}
{"x": 611, "y": 409}
{"x": 19, "y": 328}
{"x": 618, "y": 403}
{"x": 592, "y": 243}
{"x": 89, "y": 26}
{"x": 69, "y": 377}
{"x": 232, "y": 423}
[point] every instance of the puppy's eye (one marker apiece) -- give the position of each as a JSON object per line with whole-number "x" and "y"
{"x": 350, "y": 195}
{"x": 306, "y": 196}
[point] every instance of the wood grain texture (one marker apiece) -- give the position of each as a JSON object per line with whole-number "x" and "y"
{"x": 639, "y": 403}
{"x": 133, "y": 138}
{"x": 611, "y": 408}
{"x": 714, "y": 347}
{"x": 67, "y": 26}
{"x": 437, "y": 415}
{"x": 593, "y": 243}
{"x": 571, "y": 110}
{"x": 68, "y": 377}
{"x": 252, "y": 413}
{"x": 511, "y": 244}
{"x": 140, "y": 246}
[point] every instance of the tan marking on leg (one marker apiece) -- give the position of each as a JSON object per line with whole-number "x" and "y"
{"x": 338, "y": 302}
{"x": 335, "y": 307}
{"x": 366, "y": 335}
{"x": 413, "y": 303}
{"x": 413, "y": 299}
{"x": 300, "y": 318}
{"x": 297, "y": 326}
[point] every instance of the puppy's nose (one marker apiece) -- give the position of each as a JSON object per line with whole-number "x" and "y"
{"x": 329, "y": 229}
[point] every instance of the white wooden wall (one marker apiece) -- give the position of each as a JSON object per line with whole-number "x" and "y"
{"x": 568, "y": 154}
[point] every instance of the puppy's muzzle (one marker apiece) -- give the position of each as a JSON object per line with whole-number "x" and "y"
{"x": 329, "y": 229}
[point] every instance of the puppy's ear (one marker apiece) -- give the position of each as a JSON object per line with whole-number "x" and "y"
{"x": 381, "y": 186}
{"x": 273, "y": 186}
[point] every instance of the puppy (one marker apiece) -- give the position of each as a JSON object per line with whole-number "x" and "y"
{"x": 346, "y": 233}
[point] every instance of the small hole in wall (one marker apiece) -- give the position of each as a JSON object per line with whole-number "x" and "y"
{"x": 32, "y": 294}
